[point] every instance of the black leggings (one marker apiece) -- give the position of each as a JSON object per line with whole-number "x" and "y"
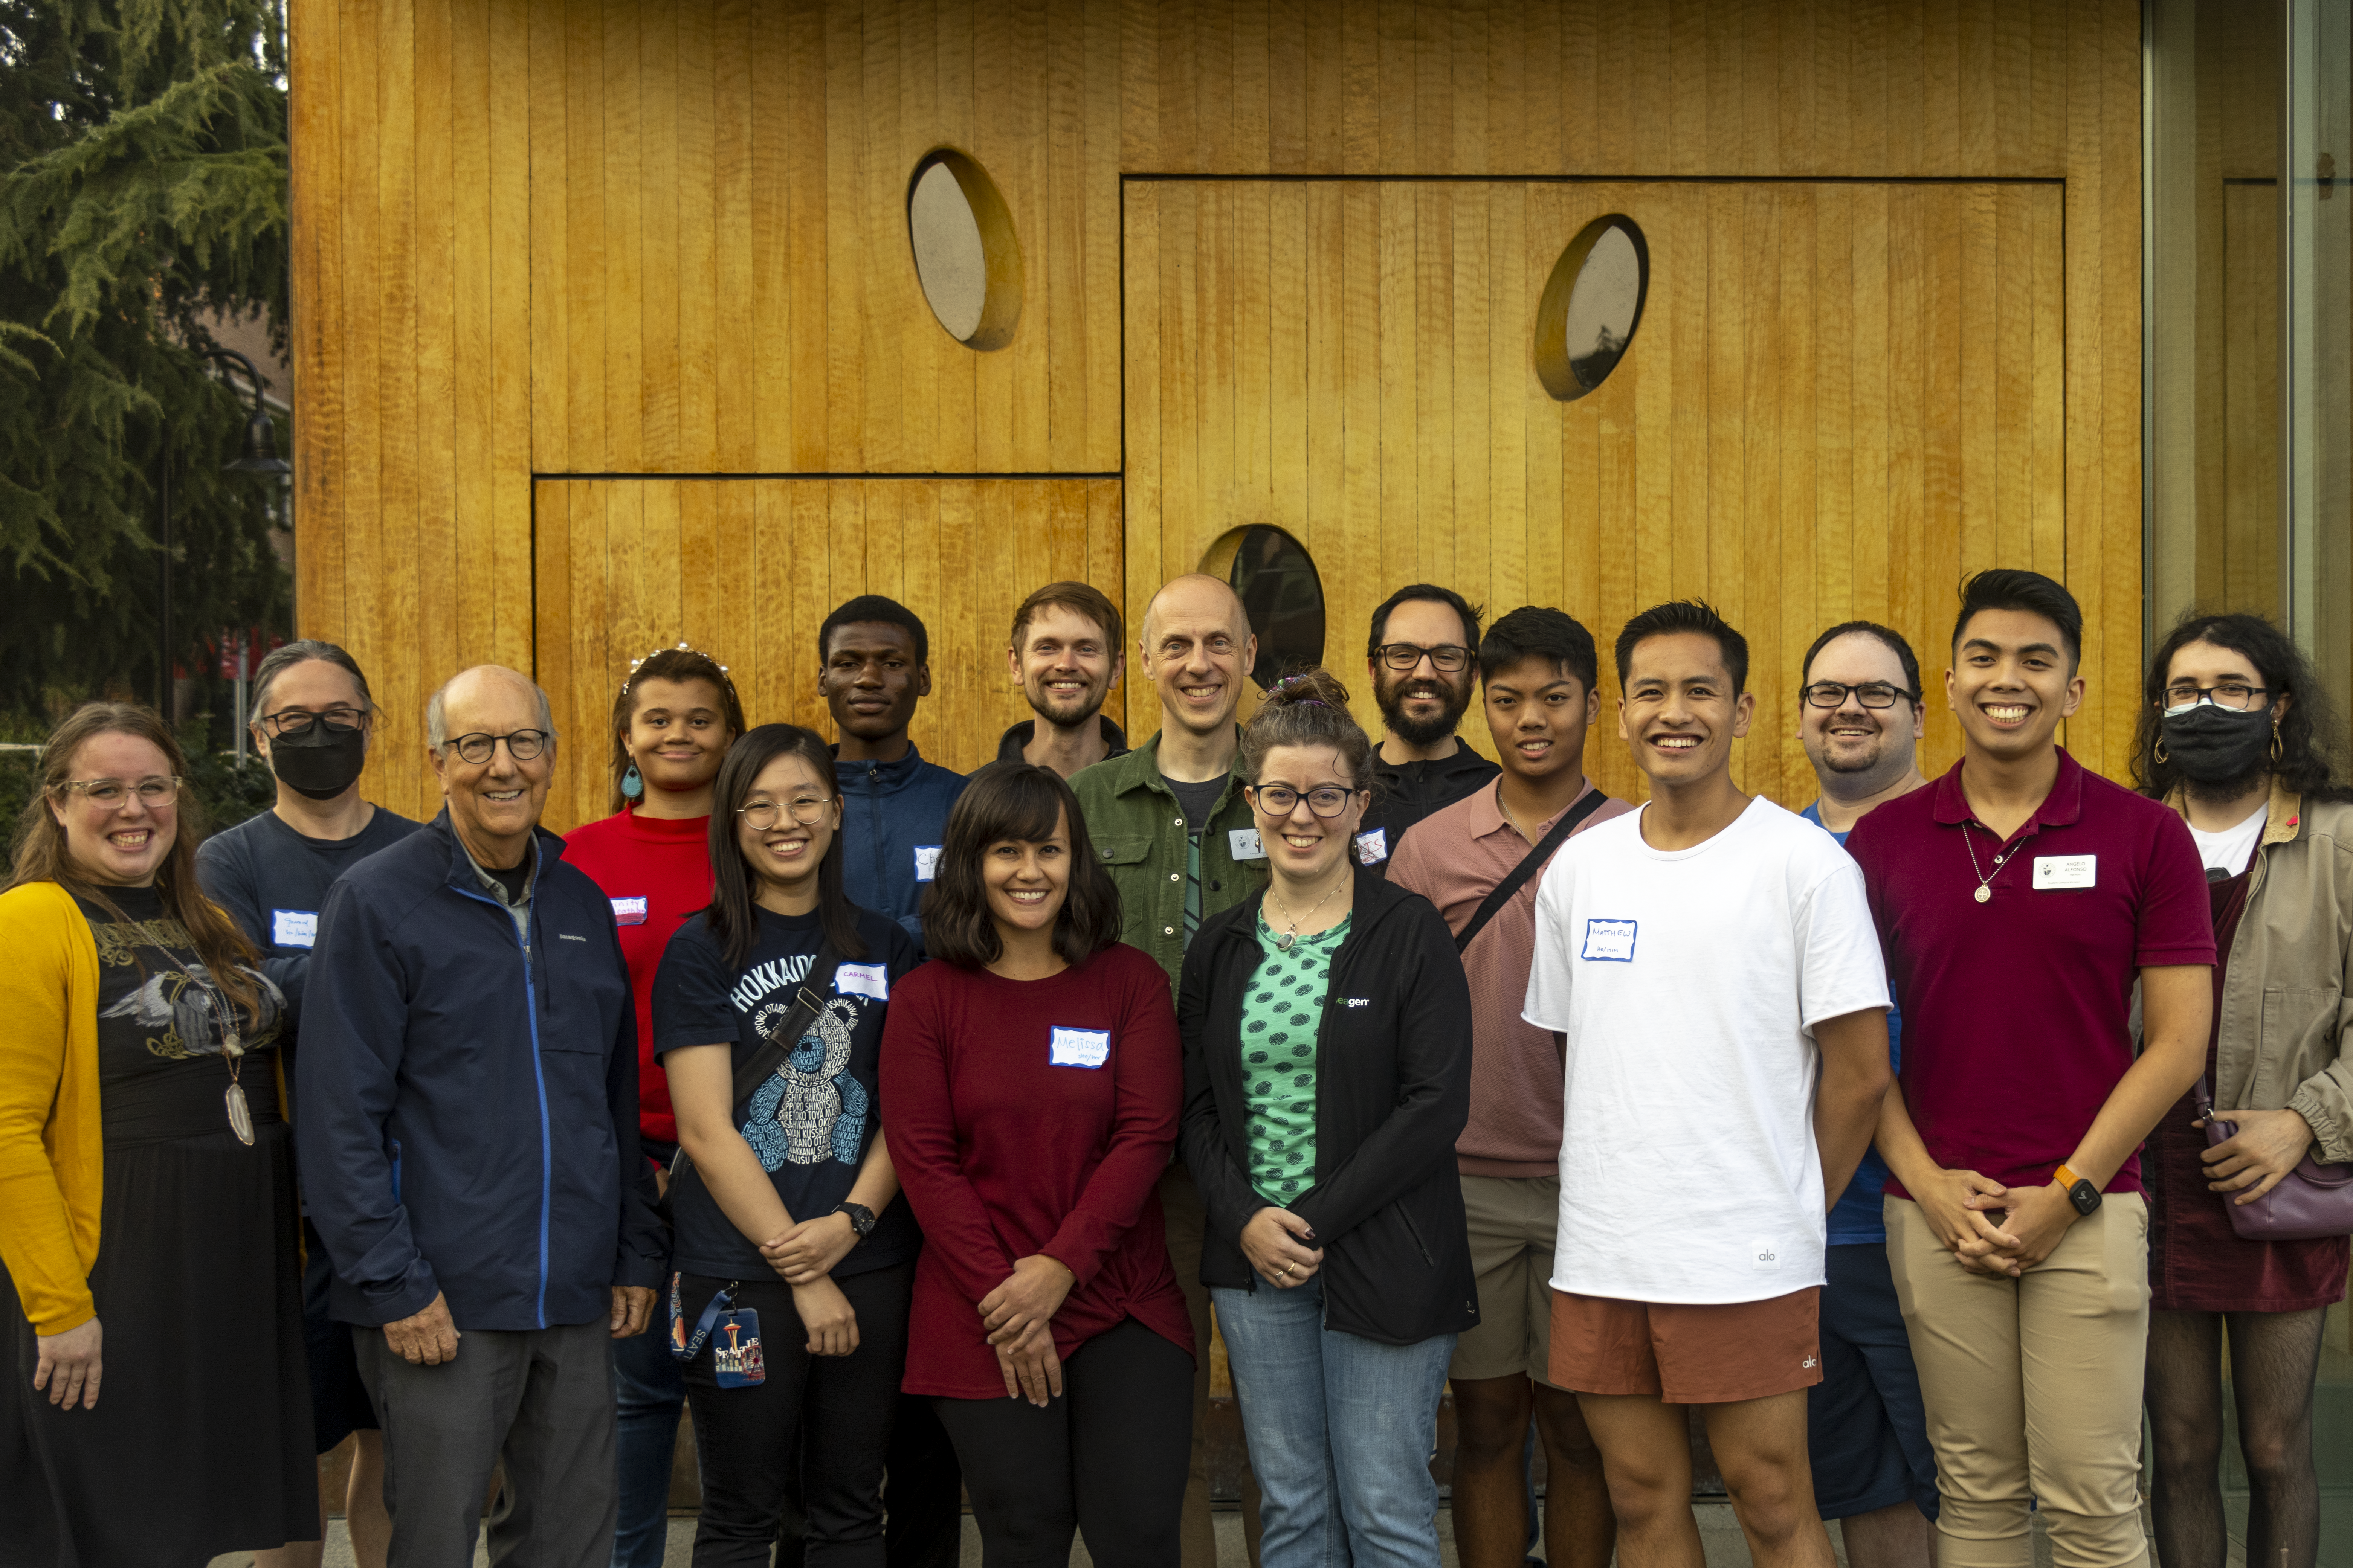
{"x": 744, "y": 1437}
{"x": 2275, "y": 1357}
{"x": 1108, "y": 1457}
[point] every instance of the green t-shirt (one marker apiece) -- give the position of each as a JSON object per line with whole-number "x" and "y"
{"x": 1280, "y": 1016}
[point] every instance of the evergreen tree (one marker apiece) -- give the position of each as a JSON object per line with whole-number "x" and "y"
{"x": 143, "y": 192}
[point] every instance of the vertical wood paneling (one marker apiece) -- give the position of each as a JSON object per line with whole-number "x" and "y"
{"x": 667, "y": 235}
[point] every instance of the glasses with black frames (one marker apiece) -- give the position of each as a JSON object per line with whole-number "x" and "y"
{"x": 522, "y": 745}
{"x": 1282, "y": 800}
{"x": 339, "y": 719}
{"x": 1871, "y": 694}
{"x": 1447, "y": 657}
{"x": 2236, "y": 695}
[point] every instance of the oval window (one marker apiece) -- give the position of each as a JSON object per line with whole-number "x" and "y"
{"x": 1592, "y": 304}
{"x": 1283, "y": 594}
{"x": 966, "y": 258}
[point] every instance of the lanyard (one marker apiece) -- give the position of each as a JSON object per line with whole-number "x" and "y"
{"x": 680, "y": 1346}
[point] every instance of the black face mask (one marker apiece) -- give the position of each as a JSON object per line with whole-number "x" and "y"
{"x": 322, "y": 761}
{"x": 2214, "y": 745}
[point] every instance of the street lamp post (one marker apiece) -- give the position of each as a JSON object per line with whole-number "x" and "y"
{"x": 260, "y": 456}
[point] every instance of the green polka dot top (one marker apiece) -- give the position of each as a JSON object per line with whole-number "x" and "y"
{"x": 1280, "y": 1015}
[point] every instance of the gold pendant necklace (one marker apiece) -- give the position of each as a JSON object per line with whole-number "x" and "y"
{"x": 1283, "y": 943}
{"x": 1985, "y": 879}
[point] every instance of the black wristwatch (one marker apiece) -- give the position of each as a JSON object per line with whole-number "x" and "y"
{"x": 862, "y": 1218}
{"x": 2080, "y": 1192}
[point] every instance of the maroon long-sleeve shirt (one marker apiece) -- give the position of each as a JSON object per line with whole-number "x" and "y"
{"x": 1026, "y": 1117}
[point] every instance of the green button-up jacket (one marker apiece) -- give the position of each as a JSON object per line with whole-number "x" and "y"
{"x": 1137, "y": 828}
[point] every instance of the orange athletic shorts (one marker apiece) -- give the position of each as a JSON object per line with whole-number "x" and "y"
{"x": 1714, "y": 1353}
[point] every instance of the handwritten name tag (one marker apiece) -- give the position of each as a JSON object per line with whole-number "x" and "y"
{"x": 1242, "y": 844}
{"x": 1373, "y": 846}
{"x": 1610, "y": 942}
{"x": 629, "y": 911}
{"x": 861, "y": 979}
{"x": 1079, "y": 1047}
{"x": 927, "y": 861}
{"x": 2066, "y": 871}
{"x": 294, "y": 928}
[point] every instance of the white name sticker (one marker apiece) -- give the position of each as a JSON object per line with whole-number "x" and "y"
{"x": 2066, "y": 871}
{"x": 1610, "y": 942}
{"x": 861, "y": 979}
{"x": 1242, "y": 844}
{"x": 294, "y": 928}
{"x": 1079, "y": 1047}
{"x": 927, "y": 861}
{"x": 629, "y": 911}
{"x": 1373, "y": 846}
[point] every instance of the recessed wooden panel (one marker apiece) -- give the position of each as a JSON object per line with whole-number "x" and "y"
{"x": 1841, "y": 398}
{"x": 746, "y": 570}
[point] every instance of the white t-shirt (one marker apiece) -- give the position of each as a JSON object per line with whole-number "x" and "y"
{"x": 2228, "y": 850}
{"x": 1687, "y": 982}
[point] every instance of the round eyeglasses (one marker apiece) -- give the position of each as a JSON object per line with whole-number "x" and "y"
{"x": 522, "y": 744}
{"x": 1282, "y": 800}
{"x": 762, "y": 815}
{"x": 1874, "y": 694}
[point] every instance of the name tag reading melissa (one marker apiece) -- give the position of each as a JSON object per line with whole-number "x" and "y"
{"x": 927, "y": 861}
{"x": 1610, "y": 942}
{"x": 861, "y": 979}
{"x": 1079, "y": 1048}
{"x": 2066, "y": 871}
{"x": 1242, "y": 844}
{"x": 294, "y": 928}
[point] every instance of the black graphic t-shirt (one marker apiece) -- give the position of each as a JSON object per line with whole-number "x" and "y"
{"x": 162, "y": 1026}
{"x": 814, "y": 1121}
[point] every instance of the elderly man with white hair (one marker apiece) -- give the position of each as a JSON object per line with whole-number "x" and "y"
{"x": 468, "y": 1126}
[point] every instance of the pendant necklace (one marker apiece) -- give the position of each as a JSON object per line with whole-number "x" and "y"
{"x": 216, "y": 1006}
{"x": 1985, "y": 879}
{"x": 1283, "y": 943}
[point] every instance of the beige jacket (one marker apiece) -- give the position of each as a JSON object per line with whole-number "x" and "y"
{"x": 2286, "y": 1013}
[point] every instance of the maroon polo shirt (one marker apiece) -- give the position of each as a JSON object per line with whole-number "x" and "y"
{"x": 2017, "y": 1010}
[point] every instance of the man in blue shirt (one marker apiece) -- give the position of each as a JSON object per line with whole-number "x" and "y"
{"x": 1861, "y": 721}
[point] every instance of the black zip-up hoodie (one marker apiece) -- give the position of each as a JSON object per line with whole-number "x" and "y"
{"x": 1392, "y": 1093}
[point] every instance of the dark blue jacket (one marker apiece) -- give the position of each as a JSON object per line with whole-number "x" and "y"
{"x": 468, "y": 1107}
{"x": 890, "y": 811}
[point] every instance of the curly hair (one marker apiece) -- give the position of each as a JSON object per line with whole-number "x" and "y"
{"x": 2311, "y": 736}
{"x": 678, "y": 664}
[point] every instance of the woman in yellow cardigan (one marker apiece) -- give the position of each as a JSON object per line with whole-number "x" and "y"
{"x": 157, "y": 1410}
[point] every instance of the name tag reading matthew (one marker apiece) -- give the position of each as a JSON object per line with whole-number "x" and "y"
{"x": 1079, "y": 1047}
{"x": 861, "y": 979}
{"x": 1610, "y": 942}
{"x": 629, "y": 911}
{"x": 2066, "y": 871}
{"x": 1242, "y": 844}
{"x": 927, "y": 861}
{"x": 1373, "y": 846}
{"x": 294, "y": 928}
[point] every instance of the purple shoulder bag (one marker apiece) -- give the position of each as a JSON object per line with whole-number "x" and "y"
{"x": 2313, "y": 1200}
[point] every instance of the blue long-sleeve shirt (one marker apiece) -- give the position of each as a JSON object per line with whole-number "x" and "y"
{"x": 894, "y": 817}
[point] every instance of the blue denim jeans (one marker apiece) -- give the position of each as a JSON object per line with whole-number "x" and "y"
{"x": 649, "y": 1393}
{"x": 1340, "y": 1429}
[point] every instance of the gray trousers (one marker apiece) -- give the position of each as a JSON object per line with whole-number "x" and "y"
{"x": 541, "y": 1399}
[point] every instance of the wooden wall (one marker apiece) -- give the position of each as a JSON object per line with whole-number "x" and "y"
{"x": 537, "y": 240}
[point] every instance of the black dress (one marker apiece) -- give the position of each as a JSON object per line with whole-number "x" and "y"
{"x": 200, "y": 1443}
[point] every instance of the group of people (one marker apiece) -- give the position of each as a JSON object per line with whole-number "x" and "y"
{"x": 910, "y": 1131}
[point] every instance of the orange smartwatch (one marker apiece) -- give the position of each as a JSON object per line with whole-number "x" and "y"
{"x": 2080, "y": 1192}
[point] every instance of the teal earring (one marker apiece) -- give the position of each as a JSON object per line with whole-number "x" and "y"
{"x": 633, "y": 784}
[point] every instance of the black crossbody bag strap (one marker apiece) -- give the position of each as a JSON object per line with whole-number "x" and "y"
{"x": 761, "y": 1065}
{"x": 1530, "y": 864}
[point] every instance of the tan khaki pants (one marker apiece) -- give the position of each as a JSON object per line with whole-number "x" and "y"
{"x": 2033, "y": 1389}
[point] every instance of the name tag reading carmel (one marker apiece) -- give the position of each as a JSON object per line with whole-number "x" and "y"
{"x": 1242, "y": 844}
{"x": 629, "y": 911}
{"x": 927, "y": 861}
{"x": 1079, "y": 1047}
{"x": 1610, "y": 942}
{"x": 1373, "y": 846}
{"x": 861, "y": 979}
{"x": 2066, "y": 871}
{"x": 294, "y": 928}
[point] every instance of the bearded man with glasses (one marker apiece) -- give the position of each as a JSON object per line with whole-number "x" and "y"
{"x": 1421, "y": 653}
{"x": 468, "y": 1126}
